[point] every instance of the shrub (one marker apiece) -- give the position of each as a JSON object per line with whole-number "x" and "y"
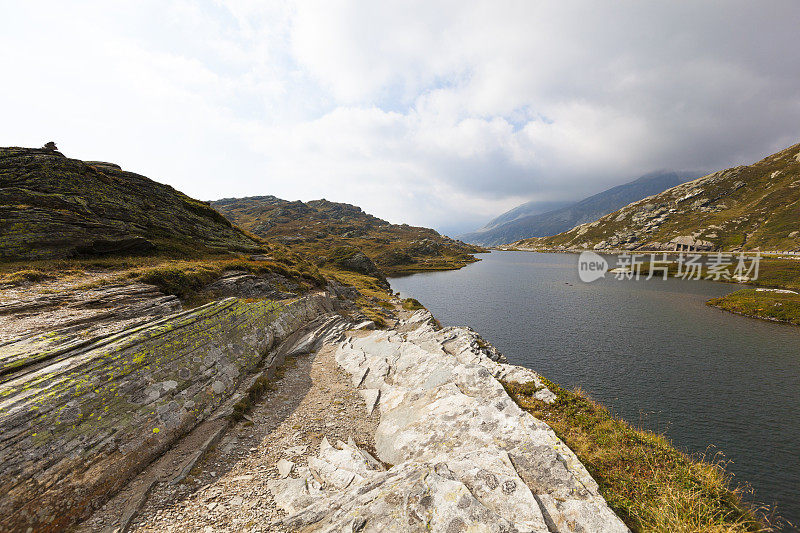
{"x": 411, "y": 304}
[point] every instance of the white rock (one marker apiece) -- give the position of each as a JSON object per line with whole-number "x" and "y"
{"x": 285, "y": 467}
{"x": 370, "y": 397}
{"x": 465, "y": 456}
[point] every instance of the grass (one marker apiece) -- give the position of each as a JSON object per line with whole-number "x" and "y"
{"x": 367, "y": 285}
{"x": 22, "y": 276}
{"x": 411, "y": 304}
{"x": 182, "y": 278}
{"x": 185, "y": 278}
{"x": 782, "y": 307}
{"x": 651, "y": 485}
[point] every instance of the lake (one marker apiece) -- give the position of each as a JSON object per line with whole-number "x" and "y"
{"x": 651, "y": 350}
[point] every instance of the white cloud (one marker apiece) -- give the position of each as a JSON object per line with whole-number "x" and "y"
{"x": 440, "y": 114}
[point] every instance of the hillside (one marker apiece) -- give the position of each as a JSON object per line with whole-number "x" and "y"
{"x": 752, "y": 207}
{"x": 52, "y": 207}
{"x": 518, "y": 224}
{"x": 339, "y": 234}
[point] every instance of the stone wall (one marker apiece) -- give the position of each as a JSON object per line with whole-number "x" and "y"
{"x": 75, "y": 428}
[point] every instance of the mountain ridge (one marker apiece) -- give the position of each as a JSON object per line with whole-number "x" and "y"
{"x": 333, "y": 231}
{"x": 52, "y": 207}
{"x": 743, "y": 208}
{"x": 562, "y": 219}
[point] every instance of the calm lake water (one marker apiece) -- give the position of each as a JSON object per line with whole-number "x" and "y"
{"x": 650, "y": 350}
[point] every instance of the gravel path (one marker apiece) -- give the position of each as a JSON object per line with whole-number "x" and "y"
{"x": 227, "y": 489}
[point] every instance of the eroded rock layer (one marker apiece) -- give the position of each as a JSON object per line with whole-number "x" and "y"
{"x": 79, "y": 419}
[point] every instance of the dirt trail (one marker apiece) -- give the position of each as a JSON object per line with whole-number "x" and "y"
{"x": 227, "y": 489}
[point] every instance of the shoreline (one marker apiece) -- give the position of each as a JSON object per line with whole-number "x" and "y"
{"x": 453, "y": 372}
{"x": 724, "y": 303}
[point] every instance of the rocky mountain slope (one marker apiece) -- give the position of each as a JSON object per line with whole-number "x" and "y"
{"x": 752, "y": 207}
{"x": 342, "y": 235}
{"x": 52, "y": 206}
{"x": 517, "y": 224}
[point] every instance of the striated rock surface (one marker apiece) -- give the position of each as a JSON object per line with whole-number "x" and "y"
{"x": 454, "y": 452}
{"x": 81, "y": 413}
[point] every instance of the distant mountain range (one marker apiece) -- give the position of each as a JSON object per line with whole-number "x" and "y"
{"x": 753, "y": 207}
{"x": 539, "y": 219}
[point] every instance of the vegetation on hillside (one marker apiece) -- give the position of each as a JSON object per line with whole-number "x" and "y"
{"x": 780, "y": 307}
{"x": 651, "y": 485}
{"x": 328, "y": 230}
{"x": 55, "y": 207}
{"x": 742, "y": 208}
{"x": 184, "y": 278}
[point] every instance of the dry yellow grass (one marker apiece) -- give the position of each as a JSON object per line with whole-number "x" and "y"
{"x": 651, "y": 485}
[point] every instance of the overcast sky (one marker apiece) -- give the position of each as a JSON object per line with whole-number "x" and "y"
{"x": 434, "y": 113}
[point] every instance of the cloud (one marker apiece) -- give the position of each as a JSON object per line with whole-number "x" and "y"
{"x": 432, "y": 113}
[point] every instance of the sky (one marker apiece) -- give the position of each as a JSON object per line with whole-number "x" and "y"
{"x": 434, "y": 113}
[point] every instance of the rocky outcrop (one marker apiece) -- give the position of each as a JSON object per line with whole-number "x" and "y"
{"x": 352, "y": 259}
{"x": 80, "y": 415}
{"x": 54, "y": 207}
{"x": 247, "y": 285}
{"x": 453, "y": 451}
{"x": 325, "y": 229}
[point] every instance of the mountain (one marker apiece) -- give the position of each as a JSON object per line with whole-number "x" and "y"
{"x": 753, "y": 207}
{"x": 336, "y": 232}
{"x": 517, "y": 224}
{"x": 524, "y": 210}
{"x": 52, "y": 206}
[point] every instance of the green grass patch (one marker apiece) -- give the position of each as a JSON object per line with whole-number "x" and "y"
{"x": 782, "y": 307}
{"x": 651, "y": 485}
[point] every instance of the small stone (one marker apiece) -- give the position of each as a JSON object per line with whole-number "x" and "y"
{"x": 285, "y": 468}
{"x": 370, "y": 397}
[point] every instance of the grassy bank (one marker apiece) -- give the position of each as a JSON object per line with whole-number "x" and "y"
{"x": 773, "y": 273}
{"x": 651, "y": 485}
{"x": 780, "y": 307}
